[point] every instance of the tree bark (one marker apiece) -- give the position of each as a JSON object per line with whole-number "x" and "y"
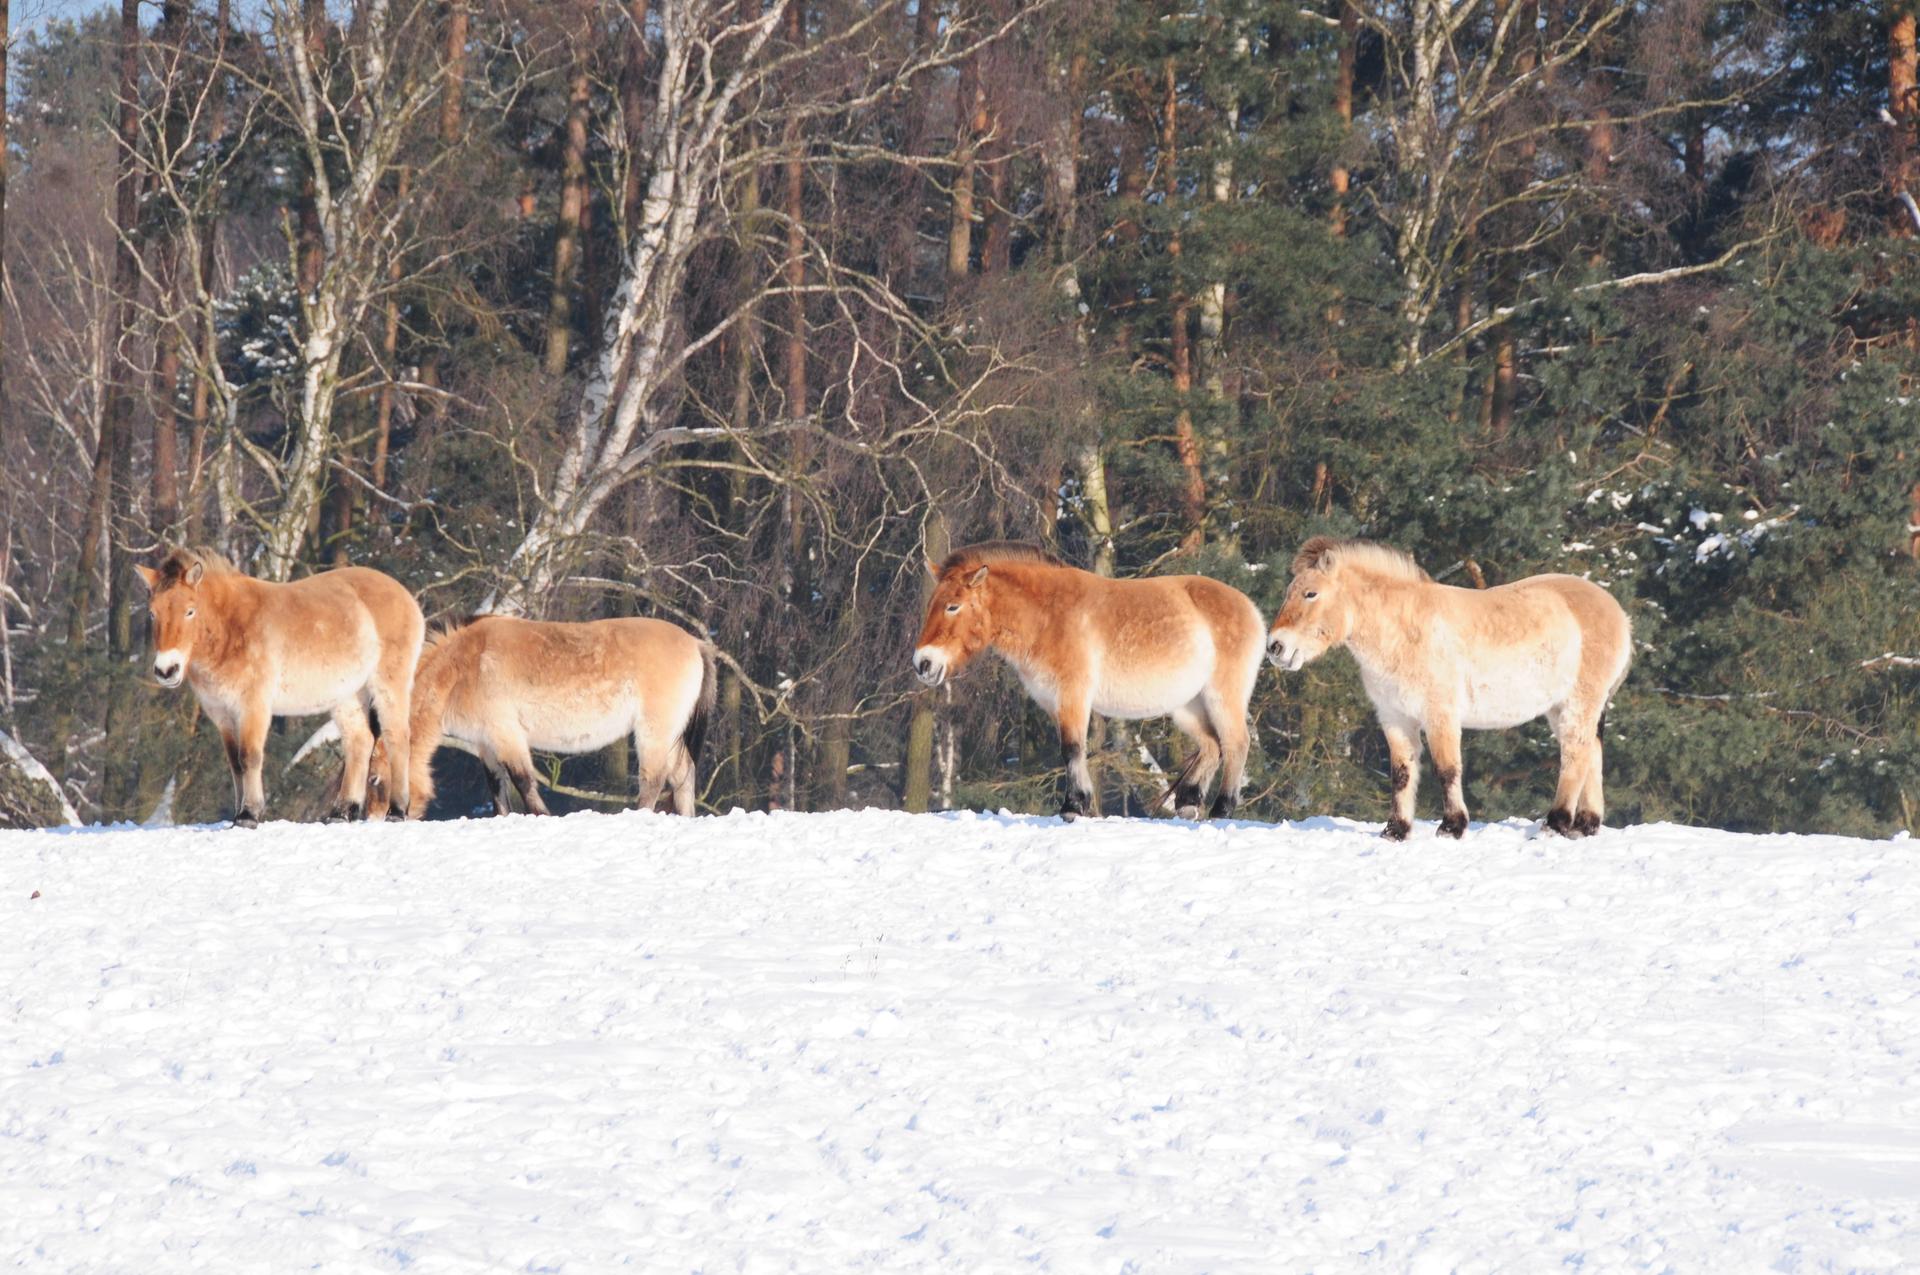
{"x": 633, "y": 110}
{"x": 109, "y": 501}
{"x": 453, "y": 80}
{"x": 970, "y": 121}
{"x": 1903, "y": 94}
{"x": 1193, "y": 488}
{"x": 573, "y": 199}
{"x": 916, "y": 778}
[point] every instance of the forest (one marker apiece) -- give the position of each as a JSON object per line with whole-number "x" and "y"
{"x": 735, "y": 312}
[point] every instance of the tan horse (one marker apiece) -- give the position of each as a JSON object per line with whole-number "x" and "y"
{"x": 508, "y": 686}
{"x": 1439, "y": 659}
{"x": 1184, "y": 647}
{"x": 343, "y": 642}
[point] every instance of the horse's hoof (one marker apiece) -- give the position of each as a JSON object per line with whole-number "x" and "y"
{"x": 349, "y": 813}
{"x": 1586, "y": 823}
{"x": 1068, "y": 814}
{"x": 1454, "y": 825}
{"x": 1561, "y": 821}
{"x": 396, "y": 816}
{"x": 1190, "y": 813}
{"x": 1223, "y": 807}
{"x": 245, "y": 820}
{"x": 1396, "y": 829}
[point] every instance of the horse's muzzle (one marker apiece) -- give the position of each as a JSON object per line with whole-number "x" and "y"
{"x": 930, "y": 666}
{"x": 169, "y": 671}
{"x": 1285, "y": 655}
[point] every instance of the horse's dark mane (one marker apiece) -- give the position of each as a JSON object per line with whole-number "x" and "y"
{"x": 179, "y": 561}
{"x": 444, "y": 629}
{"x": 1324, "y": 553}
{"x": 999, "y": 551}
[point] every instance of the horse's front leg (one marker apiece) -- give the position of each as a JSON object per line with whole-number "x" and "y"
{"x": 246, "y": 753}
{"x": 1403, "y": 753}
{"x": 1071, "y": 718}
{"x": 1443, "y": 741}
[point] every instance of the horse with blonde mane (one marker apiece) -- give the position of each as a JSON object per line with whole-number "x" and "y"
{"x": 1439, "y": 659}
{"x": 1185, "y": 647}
{"x": 342, "y": 642}
{"x": 507, "y": 686}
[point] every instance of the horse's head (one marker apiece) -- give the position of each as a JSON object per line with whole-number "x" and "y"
{"x": 959, "y": 625}
{"x": 1317, "y": 615}
{"x": 173, "y": 602}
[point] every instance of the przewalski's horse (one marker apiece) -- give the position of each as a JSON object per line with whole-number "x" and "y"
{"x": 508, "y": 686}
{"x": 343, "y": 642}
{"x": 1184, "y": 647}
{"x": 1440, "y": 659}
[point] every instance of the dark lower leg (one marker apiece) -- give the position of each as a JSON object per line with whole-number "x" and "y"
{"x": 529, "y": 791}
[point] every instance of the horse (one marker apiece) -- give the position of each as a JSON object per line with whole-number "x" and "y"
{"x": 343, "y": 641}
{"x": 508, "y": 686}
{"x": 1185, "y": 647}
{"x": 1436, "y": 659}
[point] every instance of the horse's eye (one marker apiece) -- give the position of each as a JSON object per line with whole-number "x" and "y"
{"x": 1309, "y": 595}
{"x": 189, "y": 613}
{"x": 953, "y": 608}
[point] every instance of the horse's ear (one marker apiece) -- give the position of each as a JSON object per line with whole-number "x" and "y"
{"x": 195, "y": 571}
{"x": 148, "y": 576}
{"x": 973, "y": 581}
{"x": 933, "y": 572}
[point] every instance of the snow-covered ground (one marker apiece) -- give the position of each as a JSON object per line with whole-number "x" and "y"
{"x": 871, "y": 1041}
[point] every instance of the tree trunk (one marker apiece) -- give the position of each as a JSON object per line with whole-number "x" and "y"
{"x": 633, "y": 108}
{"x": 109, "y": 501}
{"x": 1193, "y": 490}
{"x": 573, "y": 199}
{"x": 454, "y": 72}
{"x": 5, "y": 450}
{"x": 1903, "y": 94}
{"x": 1340, "y": 178}
{"x": 916, "y": 771}
{"x": 166, "y": 378}
{"x": 970, "y": 120}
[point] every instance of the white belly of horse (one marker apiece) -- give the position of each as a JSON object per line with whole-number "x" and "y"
{"x": 1137, "y": 695}
{"x": 306, "y": 689}
{"x": 1508, "y": 694}
{"x": 576, "y": 727}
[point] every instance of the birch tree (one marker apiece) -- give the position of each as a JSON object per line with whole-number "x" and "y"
{"x": 722, "y": 94}
{"x": 352, "y": 105}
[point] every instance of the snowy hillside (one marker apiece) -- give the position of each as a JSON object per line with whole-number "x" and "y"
{"x": 888, "y": 1042}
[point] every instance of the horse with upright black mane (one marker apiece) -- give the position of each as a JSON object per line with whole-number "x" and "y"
{"x": 1185, "y": 647}
{"x": 1439, "y": 659}
{"x": 342, "y": 642}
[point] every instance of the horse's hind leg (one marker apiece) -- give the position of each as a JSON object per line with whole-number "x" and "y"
{"x": 518, "y": 762}
{"x": 1190, "y": 787}
{"x": 356, "y": 739}
{"x": 685, "y": 799}
{"x": 656, "y": 767}
{"x": 1592, "y": 811}
{"x": 1579, "y": 746}
{"x": 1227, "y": 714}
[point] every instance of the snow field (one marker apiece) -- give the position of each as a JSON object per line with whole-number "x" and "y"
{"x": 873, "y": 1041}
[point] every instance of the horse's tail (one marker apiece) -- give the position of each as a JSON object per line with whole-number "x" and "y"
{"x": 694, "y": 735}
